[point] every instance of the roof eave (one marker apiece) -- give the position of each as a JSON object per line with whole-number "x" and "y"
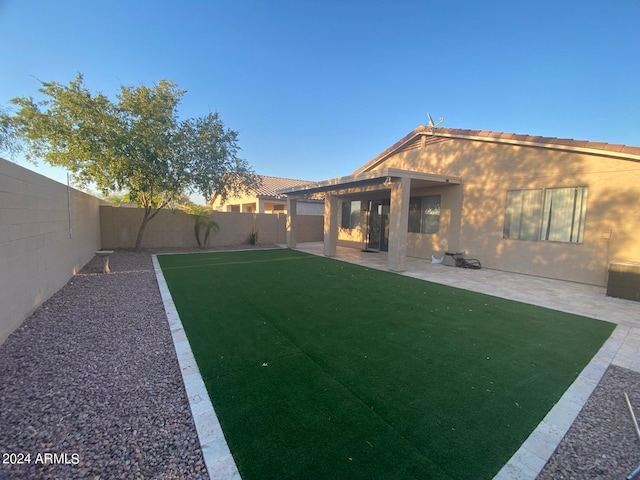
{"x": 370, "y": 178}
{"x": 610, "y": 150}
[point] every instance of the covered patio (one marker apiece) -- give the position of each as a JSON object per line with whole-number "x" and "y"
{"x": 387, "y": 192}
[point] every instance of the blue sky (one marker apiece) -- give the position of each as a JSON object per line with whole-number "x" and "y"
{"x": 317, "y": 88}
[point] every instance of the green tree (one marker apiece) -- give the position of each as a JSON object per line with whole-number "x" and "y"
{"x": 9, "y": 143}
{"x": 136, "y": 144}
{"x": 203, "y": 220}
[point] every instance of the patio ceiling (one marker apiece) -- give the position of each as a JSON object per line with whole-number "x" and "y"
{"x": 379, "y": 178}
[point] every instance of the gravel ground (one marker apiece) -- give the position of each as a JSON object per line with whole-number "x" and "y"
{"x": 602, "y": 442}
{"x": 93, "y": 374}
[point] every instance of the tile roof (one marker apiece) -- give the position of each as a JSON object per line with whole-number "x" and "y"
{"x": 543, "y": 141}
{"x": 270, "y": 185}
{"x": 609, "y": 149}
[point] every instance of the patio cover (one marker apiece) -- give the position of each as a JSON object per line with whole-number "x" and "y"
{"x": 398, "y": 182}
{"x": 381, "y": 177}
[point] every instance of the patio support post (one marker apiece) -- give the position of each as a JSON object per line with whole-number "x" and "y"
{"x": 330, "y": 224}
{"x": 399, "y": 223}
{"x": 291, "y": 222}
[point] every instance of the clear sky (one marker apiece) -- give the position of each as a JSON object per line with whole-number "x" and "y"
{"x": 317, "y": 88}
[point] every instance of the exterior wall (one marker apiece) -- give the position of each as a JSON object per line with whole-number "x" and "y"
{"x": 119, "y": 228}
{"x": 241, "y": 201}
{"x": 352, "y": 237}
{"x": 309, "y": 207}
{"x": 488, "y": 170}
{"x": 267, "y": 205}
{"x": 38, "y": 250}
{"x": 448, "y": 238}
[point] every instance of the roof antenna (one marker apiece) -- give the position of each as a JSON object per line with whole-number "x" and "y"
{"x": 433, "y": 125}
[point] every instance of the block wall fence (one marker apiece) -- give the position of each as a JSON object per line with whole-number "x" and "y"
{"x": 174, "y": 228}
{"x": 48, "y": 232}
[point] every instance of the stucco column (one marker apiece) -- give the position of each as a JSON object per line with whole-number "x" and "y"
{"x": 291, "y": 222}
{"x": 330, "y": 224}
{"x": 399, "y": 223}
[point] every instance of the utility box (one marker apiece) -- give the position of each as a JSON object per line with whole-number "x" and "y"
{"x": 624, "y": 280}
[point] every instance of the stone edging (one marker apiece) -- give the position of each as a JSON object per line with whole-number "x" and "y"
{"x": 216, "y": 453}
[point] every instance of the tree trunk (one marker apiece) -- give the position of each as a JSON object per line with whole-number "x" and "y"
{"x": 143, "y": 225}
{"x": 196, "y": 230}
{"x": 148, "y": 216}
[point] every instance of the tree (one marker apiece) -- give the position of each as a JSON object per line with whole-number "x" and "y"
{"x": 136, "y": 144}
{"x": 9, "y": 143}
{"x": 203, "y": 219}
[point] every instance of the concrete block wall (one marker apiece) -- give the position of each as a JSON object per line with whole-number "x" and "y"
{"x": 47, "y": 234}
{"x": 119, "y": 226}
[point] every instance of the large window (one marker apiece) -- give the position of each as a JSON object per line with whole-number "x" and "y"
{"x": 552, "y": 214}
{"x": 424, "y": 214}
{"x": 351, "y": 214}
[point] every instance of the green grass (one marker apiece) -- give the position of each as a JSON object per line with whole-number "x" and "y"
{"x": 319, "y": 368}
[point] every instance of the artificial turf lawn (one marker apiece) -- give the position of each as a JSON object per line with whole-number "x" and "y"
{"x": 323, "y": 369}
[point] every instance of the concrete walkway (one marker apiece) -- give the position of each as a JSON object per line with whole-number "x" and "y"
{"x": 622, "y": 348}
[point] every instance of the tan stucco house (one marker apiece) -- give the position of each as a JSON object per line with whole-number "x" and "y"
{"x": 267, "y": 199}
{"x": 550, "y": 207}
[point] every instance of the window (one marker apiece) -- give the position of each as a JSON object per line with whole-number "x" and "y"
{"x": 522, "y": 216}
{"x": 424, "y": 214}
{"x": 552, "y": 214}
{"x": 563, "y": 214}
{"x": 350, "y": 214}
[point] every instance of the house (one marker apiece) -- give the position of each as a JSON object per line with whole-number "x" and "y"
{"x": 549, "y": 207}
{"x": 266, "y": 199}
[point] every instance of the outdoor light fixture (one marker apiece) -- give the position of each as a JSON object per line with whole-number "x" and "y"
{"x": 387, "y": 181}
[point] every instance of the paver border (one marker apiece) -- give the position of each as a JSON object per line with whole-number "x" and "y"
{"x": 532, "y": 456}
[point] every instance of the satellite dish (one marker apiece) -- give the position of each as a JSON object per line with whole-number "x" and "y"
{"x": 431, "y": 123}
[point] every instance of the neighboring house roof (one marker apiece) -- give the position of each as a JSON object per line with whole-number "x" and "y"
{"x": 270, "y": 185}
{"x": 439, "y": 134}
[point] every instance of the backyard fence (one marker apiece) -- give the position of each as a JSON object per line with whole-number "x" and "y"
{"x": 49, "y": 231}
{"x": 175, "y": 228}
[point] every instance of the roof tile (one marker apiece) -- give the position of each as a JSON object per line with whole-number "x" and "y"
{"x": 613, "y": 147}
{"x": 631, "y": 150}
{"x": 569, "y": 142}
{"x": 270, "y": 185}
